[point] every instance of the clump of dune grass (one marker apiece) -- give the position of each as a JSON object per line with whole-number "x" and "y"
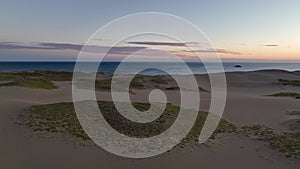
{"x": 293, "y": 113}
{"x": 46, "y": 75}
{"x": 286, "y": 94}
{"x": 159, "y": 80}
{"x": 289, "y": 82}
{"x": 7, "y": 84}
{"x": 36, "y": 84}
{"x": 5, "y": 77}
{"x": 177, "y": 88}
{"x": 294, "y": 123}
{"x": 286, "y": 143}
{"x": 35, "y": 80}
{"x": 172, "y": 88}
{"x": 31, "y": 83}
{"x": 202, "y": 90}
{"x": 103, "y": 85}
{"x": 137, "y": 82}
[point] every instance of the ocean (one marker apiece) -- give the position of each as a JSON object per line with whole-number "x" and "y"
{"x": 173, "y": 68}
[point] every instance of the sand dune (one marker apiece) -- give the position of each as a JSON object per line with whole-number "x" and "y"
{"x": 247, "y": 104}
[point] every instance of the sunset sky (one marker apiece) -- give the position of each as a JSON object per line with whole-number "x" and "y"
{"x": 250, "y": 30}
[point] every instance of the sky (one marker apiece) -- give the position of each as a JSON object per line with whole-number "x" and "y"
{"x": 248, "y": 30}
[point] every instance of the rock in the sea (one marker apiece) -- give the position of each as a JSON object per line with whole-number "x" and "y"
{"x": 237, "y": 66}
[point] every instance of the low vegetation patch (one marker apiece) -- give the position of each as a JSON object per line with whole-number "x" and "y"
{"x": 172, "y": 88}
{"x": 31, "y": 83}
{"x": 6, "y": 84}
{"x": 43, "y": 80}
{"x": 293, "y": 113}
{"x": 202, "y": 90}
{"x": 289, "y": 82}
{"x": 286, "y": 143}
{"x": 286, "y": 94}
{"x": 137, "y": 82}
{"x": 36, "y": 84}
{"x": 294, "y": 123}
{"x": 5, "y": 77}
{"x": 61, "y": 117}
{"x": 35, "y": 80}
{"x": 177, "y": 88}
{"x": 103, "y": 85}
{"x": 46, "y": 75}
{"x": 159, "y": 80}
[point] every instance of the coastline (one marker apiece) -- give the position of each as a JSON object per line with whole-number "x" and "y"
{"x": 173, "y": 68}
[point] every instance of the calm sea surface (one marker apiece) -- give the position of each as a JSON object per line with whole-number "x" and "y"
{"x": 173, "y": 68}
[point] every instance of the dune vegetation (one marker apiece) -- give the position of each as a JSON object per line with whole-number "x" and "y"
{"x": 34, "y": 83}
{"x": 289, "y": 82}
{"x": 45, "y": 79}
{"x": 286, "y": 94}
{"x": 36, "y": 80}
{"x": 293, "y": 113}
{"x": 61, "y": 118}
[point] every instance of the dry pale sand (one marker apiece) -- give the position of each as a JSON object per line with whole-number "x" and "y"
{"x": 246, "y": 104}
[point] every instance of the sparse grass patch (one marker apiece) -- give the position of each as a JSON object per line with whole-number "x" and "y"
{"x": 289, "y": 82}
{"x": 293, "y": 112}
{"x": 137, "y": 82}
{"x": 36, "y": 84}
{"x": 53, "y": 118}
{"x": 36, "y": 80}
{"x": 159, "y": 80}
{"x": 6, "y": 77}
{"x": 294, "y": 123}
{"x": 55, "y": 75}
{"x": 7, "y": 84}
{"x": 103, "y": 85}
{"x": 286, "y": 94}
{"x": 286, "y": 143}
{"x": 177, "y": 88}
{"x": 202, "y": 90}
{"x": 31, "y": 83}
{"x": 172, "y": 88}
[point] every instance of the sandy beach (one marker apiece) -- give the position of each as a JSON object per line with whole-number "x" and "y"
{"x": 248, "y": 103}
